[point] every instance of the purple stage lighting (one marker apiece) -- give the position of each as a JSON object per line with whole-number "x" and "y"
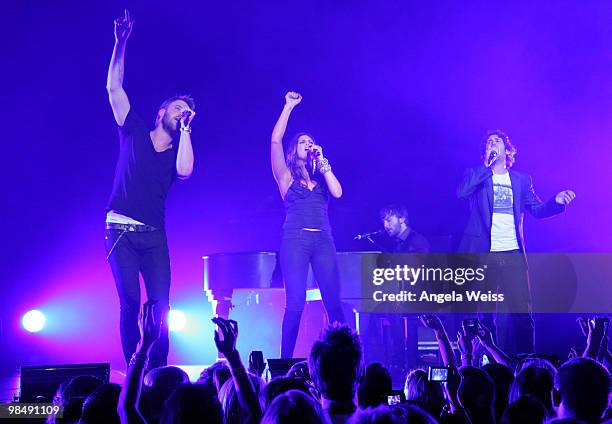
{"x": 33, "y": 321}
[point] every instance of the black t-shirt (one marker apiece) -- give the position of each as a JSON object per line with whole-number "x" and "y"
{"x": 143, "y": 176}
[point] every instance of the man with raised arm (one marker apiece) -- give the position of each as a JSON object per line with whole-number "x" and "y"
{"x": 149, "y": 162}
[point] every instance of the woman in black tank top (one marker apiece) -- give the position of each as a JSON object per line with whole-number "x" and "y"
{"x": 306, "y": 182}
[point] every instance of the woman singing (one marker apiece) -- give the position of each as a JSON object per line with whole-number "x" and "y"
{"x": 305, "y": 181}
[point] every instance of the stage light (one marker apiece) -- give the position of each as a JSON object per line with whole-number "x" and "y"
{"x": 176, "y": 320}
{"x": 33, "y": 321}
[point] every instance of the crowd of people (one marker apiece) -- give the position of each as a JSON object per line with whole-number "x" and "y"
{"x": 335, "y": 386}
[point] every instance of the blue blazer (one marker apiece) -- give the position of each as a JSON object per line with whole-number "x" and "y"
{"x": 477, "y": 187}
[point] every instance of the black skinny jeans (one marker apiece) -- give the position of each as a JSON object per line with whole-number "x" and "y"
{"x": 299, "y": 249}
{"x": 145, "y": 253}
{"x": 510, "y": 322}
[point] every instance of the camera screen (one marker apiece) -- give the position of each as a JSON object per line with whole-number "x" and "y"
{"x": 393, "y": 400}
{"x": 438, "y": 374}
{"x": 470, "y": 322}
{"x": 485, "y": 360}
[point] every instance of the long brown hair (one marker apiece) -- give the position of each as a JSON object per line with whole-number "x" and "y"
{"x": 291, "y": 159}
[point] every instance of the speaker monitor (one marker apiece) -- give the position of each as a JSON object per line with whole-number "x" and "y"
{"x": 280, "y": 367}
{"x": 39, "y": 383}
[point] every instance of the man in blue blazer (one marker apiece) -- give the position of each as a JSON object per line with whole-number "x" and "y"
{"x": 498, "y": 199}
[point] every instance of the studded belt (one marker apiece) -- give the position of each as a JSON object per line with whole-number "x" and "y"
{"x": 136, "y": 228}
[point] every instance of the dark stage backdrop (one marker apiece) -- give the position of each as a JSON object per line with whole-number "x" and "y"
{"x": 399, "y": 93}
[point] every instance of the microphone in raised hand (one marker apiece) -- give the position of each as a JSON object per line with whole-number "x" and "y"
{"x": 186, "y": 117}
{"x": 492, "y": 157}
{"x": 315, "y": 151}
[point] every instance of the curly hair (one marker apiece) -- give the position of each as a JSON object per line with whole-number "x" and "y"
{"x": 511, "y": 150}
{"x": 400, "y": 211}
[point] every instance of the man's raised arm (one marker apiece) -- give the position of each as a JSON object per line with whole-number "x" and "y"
{"x": 114, "y": 83}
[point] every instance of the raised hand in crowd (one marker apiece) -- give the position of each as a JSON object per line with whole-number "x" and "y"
{"x": 596, "y": 333}
{"x": 226, "y": 337}
{"x": 451, "y": 387}
{"x": 465, "y": 342}
{"x": 446, "y": 350}
{"x": 485, "y": 337}
{"x": 432, "y": 322}
{"x": 257, "y": 364}
{"x": 149, "y": 322}
{"x": 573, "y": 353}
{"x": 583, "y": 323}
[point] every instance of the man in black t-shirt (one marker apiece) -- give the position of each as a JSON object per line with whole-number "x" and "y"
{"x": 149, "y": 162}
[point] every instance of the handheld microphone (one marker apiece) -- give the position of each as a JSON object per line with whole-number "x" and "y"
{"x": 492, "y": 157}
{"x": 366, "y": 235}
{"x": 185, "y": 114}
{"x": 314, "y": 153}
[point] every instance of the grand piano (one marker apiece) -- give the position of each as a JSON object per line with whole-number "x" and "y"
{"x": 580, "y": 282}
{"x": 224, "y": 273}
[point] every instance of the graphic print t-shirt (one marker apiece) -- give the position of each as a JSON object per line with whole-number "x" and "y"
{"x": 503, "y": 232}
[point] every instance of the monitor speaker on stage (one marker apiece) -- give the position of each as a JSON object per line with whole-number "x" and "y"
{"x": 280, "y": 367}
{"x": 39, "y": 383}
